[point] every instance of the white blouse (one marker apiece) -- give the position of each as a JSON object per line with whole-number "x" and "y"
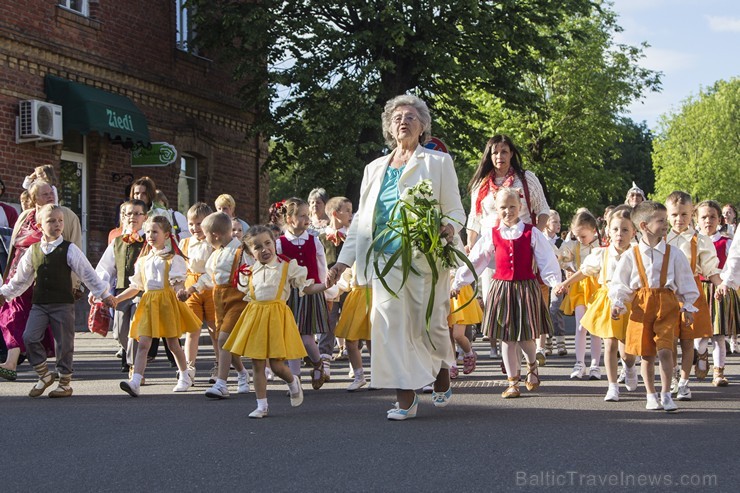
{"x": 593, "y": 264}
{"x": 266, "y": 280}
{"x": 218, "y": 265}
{"x": 197, "y": 255}
{"x": 153, "y": 266}
{"x": 731, "y": 271}
{"x": 707, "y": 262}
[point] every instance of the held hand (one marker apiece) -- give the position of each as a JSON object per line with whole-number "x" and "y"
{"x": 720, "y": 292}
{"x": 560, "y": 288}
{"x": 467, "y": 249}
{"x": 183, "y": 294}
{"x": 447, "y": 231}
{"x": 688, "y": 318}
{"x": 616, "y": 312}
{"x": 78, "y": 294}
{"x": 110, "y": 301}
{"x": 314, "y": 288}
{"x": 335, "y": 273}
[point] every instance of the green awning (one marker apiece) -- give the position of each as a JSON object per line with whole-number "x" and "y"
{"x": 88, "y": 109}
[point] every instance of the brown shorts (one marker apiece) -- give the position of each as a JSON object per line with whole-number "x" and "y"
{"x": 654, "y": 322}
{"x": 229, "y": 303}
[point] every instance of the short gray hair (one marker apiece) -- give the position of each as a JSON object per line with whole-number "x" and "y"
{"x": 318, "y": 193}
{"x": 406, "y": 100}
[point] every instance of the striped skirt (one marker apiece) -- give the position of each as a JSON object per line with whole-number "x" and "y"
{"x": 516, "y": 311}
{"x": 310, "y": 312}
{"x": 725, "y": 313}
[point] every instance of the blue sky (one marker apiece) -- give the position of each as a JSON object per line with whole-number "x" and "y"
{"x": 693, "y": 42}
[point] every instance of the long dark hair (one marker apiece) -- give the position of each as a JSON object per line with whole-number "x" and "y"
{"x": 485, "y": 168}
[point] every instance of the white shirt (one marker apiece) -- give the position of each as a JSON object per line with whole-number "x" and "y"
{"x": 320, "y": 255}
{"x": 483, "y": 255}
{"x": 197, "y": 254}
{"x": 218, "y": 265}
{"x": 106, "y": 268}
{"x": 707, "y": 262}
{"x": 76, "y": 260}
{"x": 679, "y": 278}
{"x": 731, "y": 271}
{"x": 153, "y": 265}
{"x": 593, "y": 264}
{"x": 266, "y": 280}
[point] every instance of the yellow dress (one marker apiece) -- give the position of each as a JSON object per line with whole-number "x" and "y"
{"x": 598, "y": 319}
{"x": 354, "y": 321}
{"x": 470, "y": 314}
{"x": 580, "y": 293}
{"x": 160, "y": 313}
{"x": 266, "y": 329}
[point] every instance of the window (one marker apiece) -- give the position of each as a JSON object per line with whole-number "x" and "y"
{"x": 185, "y": 32}
{"x": 79, "y": 6}
{"x": 187, "y": 183}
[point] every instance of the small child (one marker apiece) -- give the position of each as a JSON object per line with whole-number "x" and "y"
{"x": 585, "y": 230}
{"x": 50, "y": 263}
{"x": 43, "y": 173}
{"x": 160, "y": 271}
{"x": 222, "y": 269}
{"x": 725, "y": 308}
{"x": 597, "y": 319}
{"x": 354, "y": 324}
{"x": 225, "y": 203}
{"x": 266, "y": 329}
{"x": 703, "y": 260}
{"x": 464, "y": 310}
{"x": 311, "y": 313}
{"x": 656, "y": 279}
{"x": 515, "y": 310}
{"x": 237, "y": 229}
{"x": 116, "y": 267}
{"x": 552, "y": 233}
{"x": 196, "y": 293}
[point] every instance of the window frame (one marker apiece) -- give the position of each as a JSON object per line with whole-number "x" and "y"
{"x": 182, "y": 174}
{"x": 84, "y": 6}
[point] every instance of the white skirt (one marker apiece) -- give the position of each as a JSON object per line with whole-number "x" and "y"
{"x": 404, "y": 356}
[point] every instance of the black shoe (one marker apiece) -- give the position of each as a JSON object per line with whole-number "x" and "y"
{"x": 124, "y": 365}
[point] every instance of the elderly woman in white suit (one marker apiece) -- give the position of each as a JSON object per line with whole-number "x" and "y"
{"x": 404, "y": 356}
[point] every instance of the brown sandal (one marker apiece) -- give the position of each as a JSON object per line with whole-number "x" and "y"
{"x": 317, "y": 374}
{"x": 513, "y": 390}
{"x": 702, "y": 374}
{"x": 532, "y": 370}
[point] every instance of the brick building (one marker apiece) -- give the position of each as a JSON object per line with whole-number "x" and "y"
{"x": 128, "y": 61}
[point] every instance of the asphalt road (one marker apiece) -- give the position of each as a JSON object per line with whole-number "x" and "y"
{"x": 563, "y": 437}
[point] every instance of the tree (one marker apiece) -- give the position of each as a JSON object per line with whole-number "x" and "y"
{"x": 697, "y": 148}
{"x": 331, "y": 66}
{"x": 570, "y": 133}
{"x": 630, "y": 159}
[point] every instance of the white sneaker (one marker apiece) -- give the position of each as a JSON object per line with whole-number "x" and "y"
{"x": 258, "y": 413}
{"x": 630, "y": 380}
{"x": 217, "y": 392}
{"x": 541, "y": 357}
{"x": 612, "y": 395}
{"x": 357, "y": 384}
{"x": 130, "y": 388}
{"x": 269, "y": 375}
{"x": 578, "y": 370}
{"x": 622, "y": 374}
{"x": 684, "y": 393}
{"x": 667, "y": 403}
{"x": 242, "y": 383}
{"x": 183, "y": 382}
{"x": 594, "y": 373}
{"x": 297, "y": 398}
{"x": 653, "y": 404}
{"x": 191, "y": 373}
{"x": 674, "y": 380}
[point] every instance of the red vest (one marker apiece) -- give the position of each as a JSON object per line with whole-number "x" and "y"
{"x": 514, "y": 257}
{"x": 721, "y": 247}
{"x": 305, "y": 255}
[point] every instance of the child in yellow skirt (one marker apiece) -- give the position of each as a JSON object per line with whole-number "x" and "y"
{"x": 266, "y": 329}
{"x": 464, "y": 310}
{"x": 196, "y": 293}
{"x": 159, "y": 314}
{"x": 571, "y": 254}
{"x": 354, "y": 324}
{"x": 601, "y": 263}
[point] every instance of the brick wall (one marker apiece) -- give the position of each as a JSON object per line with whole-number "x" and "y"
{"x": 128, "y": 47}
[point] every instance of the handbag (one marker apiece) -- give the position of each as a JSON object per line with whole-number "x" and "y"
{"x": 99, "y": 319}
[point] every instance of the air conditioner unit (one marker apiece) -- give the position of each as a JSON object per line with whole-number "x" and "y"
{"x": 39, "y": 120}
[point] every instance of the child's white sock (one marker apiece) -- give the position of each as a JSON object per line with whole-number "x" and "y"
{"x": 293, "y": 386}
{"x": 359, "y": 374}
{"x": 719, "y": 352}
{"x": 614, "y": 386}
{"x": 136, "y": 378}
{"x": 221, "y": 382}
{"x": 682, "y": 382}
{"x": 262, "y": 404}
{"x": 243, "y": 372}
{"x": 701, "y": 344}
{"x": 471, "y": 353}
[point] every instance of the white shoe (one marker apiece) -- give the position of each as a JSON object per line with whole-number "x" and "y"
{"x": 297, "y": 398}
{"x": 622, "y": 374}
{"x": 667, "y": 403}
{"x": 653, "y": 404}
{"x": 217, "y": 392}
{"x": 541, "y": 357}
{"x": 183, "y": 382}
{"x": 130, "y": 388}
{"x": 269, "y": 375}
{"x": 578, "y": 370}
{"x": 674, "y": 380}
{"x": 612, "y": 395}
{"x": 191, "y": 373}
{"x": 242, "y": 383}
{"x": 258, "y": 413}
{"x": 351, "y": 373}
{"x": 684, "y": 393}
{"x": 398, "y": 414}
{"x": 357, "y": 384}
{"x": 594, "y": 373}
{"x": 630, "y": 380}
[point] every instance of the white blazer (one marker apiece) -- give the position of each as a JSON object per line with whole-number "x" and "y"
{"x": 424, "y": 164}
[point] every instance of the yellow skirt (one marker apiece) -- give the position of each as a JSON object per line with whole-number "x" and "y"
{"x": 160, "y": 314}
{"x": 471, "y": 314}
{"x": 354, "y": 322}
{"x": 598, "y": 318}
{"x": 579, "y": 293}
{"x": 266, "y": 330}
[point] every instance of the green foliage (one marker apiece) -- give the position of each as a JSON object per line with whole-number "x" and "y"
{"x": 697, "y": 148}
